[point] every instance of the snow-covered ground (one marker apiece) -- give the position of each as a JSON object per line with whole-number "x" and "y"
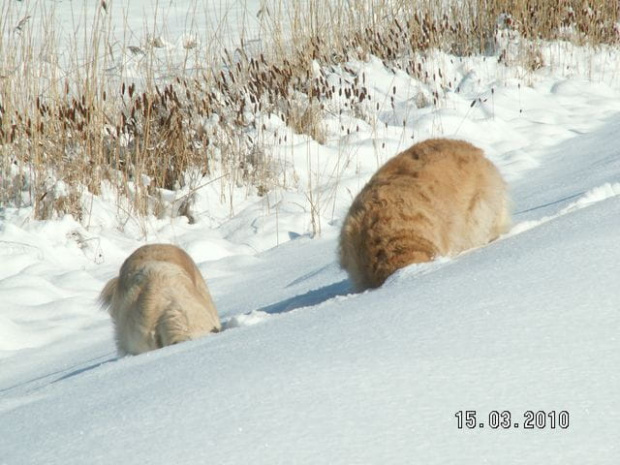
{"x": 307, "y": 372}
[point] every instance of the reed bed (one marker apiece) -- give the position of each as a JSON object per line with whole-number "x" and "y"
{"x": 67, "y": 127}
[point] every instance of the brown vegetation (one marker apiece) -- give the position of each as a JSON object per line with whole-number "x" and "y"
{"x": 63, "y": 134}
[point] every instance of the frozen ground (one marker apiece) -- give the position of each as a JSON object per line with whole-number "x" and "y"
{"x": 307, "y": 372}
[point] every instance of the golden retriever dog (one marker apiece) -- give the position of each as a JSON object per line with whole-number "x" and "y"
{"x": 437, "y": 198}
{"x": 158, "y": 299}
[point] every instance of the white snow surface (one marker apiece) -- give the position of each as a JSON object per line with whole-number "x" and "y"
{"x": 306, "y": 372}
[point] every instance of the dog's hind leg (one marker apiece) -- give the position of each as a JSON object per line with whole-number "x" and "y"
{"x": 173, "y": 326}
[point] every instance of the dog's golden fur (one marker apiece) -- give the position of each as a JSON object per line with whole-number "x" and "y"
{"x": 437, "y": 198}
{"x": 159, "y": 298}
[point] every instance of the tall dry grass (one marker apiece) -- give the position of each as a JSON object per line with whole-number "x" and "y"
{"x": 66, "y": 126}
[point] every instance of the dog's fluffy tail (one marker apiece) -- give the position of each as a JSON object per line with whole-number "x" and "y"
{"x": 107, "y": 294}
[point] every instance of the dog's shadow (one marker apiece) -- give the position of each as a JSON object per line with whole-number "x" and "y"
{"x": 310, "y": 298}
{"x": 85, "y": 369}
{"x": 92, "y": 366}
{"x": 37, "y": 383}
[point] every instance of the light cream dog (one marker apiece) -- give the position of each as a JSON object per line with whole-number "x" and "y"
{"x": 159, "y": 298}
{"x": 437, "y": 198}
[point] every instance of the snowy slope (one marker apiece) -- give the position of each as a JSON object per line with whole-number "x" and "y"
{"x": 307, "y": 372}
{"x": 529, "y": 322}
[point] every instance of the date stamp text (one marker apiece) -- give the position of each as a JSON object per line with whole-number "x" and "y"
{"x": 504, "y": 419}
